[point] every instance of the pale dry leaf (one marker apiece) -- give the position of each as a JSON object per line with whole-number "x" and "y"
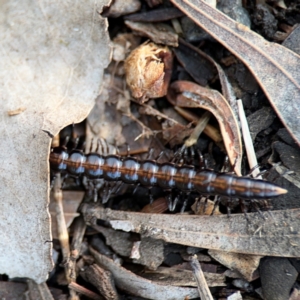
{"x": 276, "y": 235}
{"x": 244, "y": 264}
{"x": 52, "y": 60}
{"x": 188, "y": 94}
{"x": 274, "y": 66}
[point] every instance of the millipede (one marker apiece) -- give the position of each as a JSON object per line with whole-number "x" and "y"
{"x": 167, "y": 175}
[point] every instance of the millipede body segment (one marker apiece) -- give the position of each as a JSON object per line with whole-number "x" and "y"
{"x": 166, "y": 175}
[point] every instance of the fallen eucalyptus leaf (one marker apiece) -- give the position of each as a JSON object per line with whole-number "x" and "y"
{"x": 276, "y": 235}
{"x": 274, "y": 66}
{"x": 189, "y": 94}
{"x": 52, "y": 60}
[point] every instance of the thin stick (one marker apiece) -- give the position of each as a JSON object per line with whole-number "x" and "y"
{"x": 83, "y": 291}
{"x": 203, "y": 289}
{"x": 248, "y": 141}
{"x": 62, "y": 230}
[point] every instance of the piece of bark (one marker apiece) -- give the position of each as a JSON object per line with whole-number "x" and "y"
{"x": 102, "y": 280}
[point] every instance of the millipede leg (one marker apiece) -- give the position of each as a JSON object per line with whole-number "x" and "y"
{"x": 135, "y": 189}
{"x": 228, "y": 208}
{"x": 178, "y": 155}
{"x": 117, "y": 187}
{"x": 183, "y": 207}
{"x": 149, "y": 156}
{"x": 172, "y": 203}
{"x": 244, "y": 208}
{"x": 161, "y": 154}
{"x": 202, "y": 161}
{"x": 150, "y": 195}
{"x": 216, "y": 203}
{"x": 256, "y": 207}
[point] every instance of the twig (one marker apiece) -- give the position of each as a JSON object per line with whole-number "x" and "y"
{"x": 62, "y": 230}
{"x": 248, "y": 141}
{"x": 83, "y": 291}
{"x": 203, "y": 289}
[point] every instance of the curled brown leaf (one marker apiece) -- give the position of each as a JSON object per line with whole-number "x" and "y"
{"x": 188, "y": 94}
{"x": 274, "y": 66}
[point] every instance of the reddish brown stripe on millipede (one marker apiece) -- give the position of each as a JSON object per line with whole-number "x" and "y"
{"x": 166, "y": 175}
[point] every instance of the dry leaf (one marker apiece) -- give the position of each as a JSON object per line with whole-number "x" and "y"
{"x": 189, "y": 94}
{"x": 276, "y": 235}
{"x": 274, "y": 66}
{"x": 159, "y": 33}
{"x": 52, "y": 61}
{"x": 244, "y": 264}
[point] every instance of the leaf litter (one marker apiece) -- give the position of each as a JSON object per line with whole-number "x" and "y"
{"x": 245, "y": 239}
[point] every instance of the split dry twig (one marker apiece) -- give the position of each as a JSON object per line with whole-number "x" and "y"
{"x": 248, "y": 141}
{"x": 203, "y": 288}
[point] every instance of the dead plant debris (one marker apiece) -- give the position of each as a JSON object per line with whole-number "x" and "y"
{"x": 220, "y": 96}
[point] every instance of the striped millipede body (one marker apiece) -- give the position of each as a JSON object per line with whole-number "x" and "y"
{"x": 165, "y": 175}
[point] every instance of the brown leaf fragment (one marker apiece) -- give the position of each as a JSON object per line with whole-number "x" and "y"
{"x": 205, "y": 206}
{"x": 176, "y": 134}
{"x": 159, "y": 33}
{"x": 156, "y": 15}
{"x": 102, "y": 280}
{"x": 158, "y": 206}
{"x": 138, "y": 286}
{"x": 227, "y": 89}
{"x": 209, "y": 130}
{"x": 274, "y": 236}
{"x": 152, "y": 3}
{"x": 195, "y": 63}
{"x": 188, "y": 94}
{"x": 244, "y": 264}
{"x": 148, "y": 71}
{"x": 260, "y": 56}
